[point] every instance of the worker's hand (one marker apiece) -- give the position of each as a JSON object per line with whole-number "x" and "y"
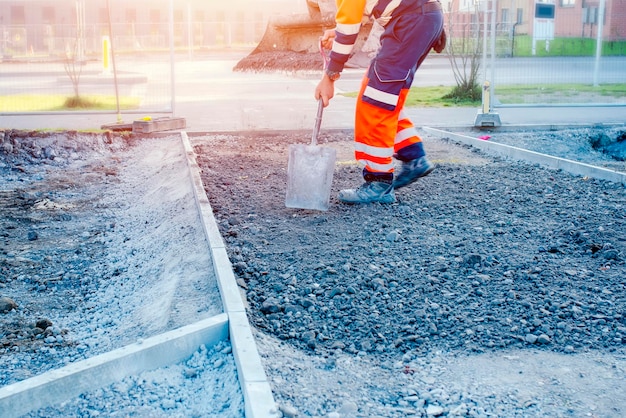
{"x": 325, "y": 90}
{"x": 440, "y": 43}
{"x": 327, "y": 38}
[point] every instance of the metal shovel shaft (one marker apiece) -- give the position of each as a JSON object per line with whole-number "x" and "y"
{"x": 318, "y": 122}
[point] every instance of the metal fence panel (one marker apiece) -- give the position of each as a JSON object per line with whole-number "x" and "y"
{"x": 527, "y": 60}
{"x": 46, "y": 61}
{"x": 53, "y": 64}
{"x": 549, "y": 53}
{"x": 557, "y": 54}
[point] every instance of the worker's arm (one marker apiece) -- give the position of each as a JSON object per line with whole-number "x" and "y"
{"x": 348, "y": 23}
{"x": 341, "y": 41}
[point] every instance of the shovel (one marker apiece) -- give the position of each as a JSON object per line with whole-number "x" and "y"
{"x": 310, "y": 172}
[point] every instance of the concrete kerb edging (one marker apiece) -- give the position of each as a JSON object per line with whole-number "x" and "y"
{"x": 70, "y": 381}
{"x": 258, "y": 397}
{"x": 573, "y": 167}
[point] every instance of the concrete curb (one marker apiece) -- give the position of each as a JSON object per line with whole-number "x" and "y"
{"x": 66, "y": 383}
{"x": 573, "y": 167}
{"x": 257, "y": 393}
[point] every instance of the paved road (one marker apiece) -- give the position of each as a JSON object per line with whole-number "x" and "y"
{"x": 213, "y": 98}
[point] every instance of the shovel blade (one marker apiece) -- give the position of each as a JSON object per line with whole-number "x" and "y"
{"x": 309, "y": 176}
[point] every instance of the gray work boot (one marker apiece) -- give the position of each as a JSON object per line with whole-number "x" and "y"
{"x": 369, "y": 192}
{"x": 410, "y": 171}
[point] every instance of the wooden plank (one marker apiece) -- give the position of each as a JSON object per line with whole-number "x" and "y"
{"x": 158, "y": 124}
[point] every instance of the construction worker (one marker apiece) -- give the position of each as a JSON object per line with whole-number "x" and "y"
{"x": 382, "y": 129}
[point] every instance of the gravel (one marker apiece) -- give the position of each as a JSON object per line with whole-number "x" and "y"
{"x": 94, "y": 255}
{"x": 601, "y": 147}
{"x": 492, "y": 288}
{"x": 483, "y": 263}
{"x": 205, "y": 385}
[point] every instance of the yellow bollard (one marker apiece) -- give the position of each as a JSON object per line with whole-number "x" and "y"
{"x": 106, "y": 49}
{"x": 486, "y": 97}
{"x": 485, "y": 116}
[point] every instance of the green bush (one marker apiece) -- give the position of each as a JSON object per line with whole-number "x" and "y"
{"x": 465, "y": 93}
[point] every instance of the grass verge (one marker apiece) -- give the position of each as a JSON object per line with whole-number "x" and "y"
{"x": 516, "y": 94}
{"x": 561, "y": 93}
{"x": 43, "y": 102}
{"x": 429, "y": 97}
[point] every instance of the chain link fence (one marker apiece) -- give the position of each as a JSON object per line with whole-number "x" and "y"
{"x": 527, "y": 60}
{"x": 125, "y": 66}
{"x": 555, "y": 55}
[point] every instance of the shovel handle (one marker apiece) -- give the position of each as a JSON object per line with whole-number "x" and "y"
{"x": 320, "y": 103}
{"x": 318, "y": 122}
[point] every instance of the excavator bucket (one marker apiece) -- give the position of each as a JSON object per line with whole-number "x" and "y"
{"x": 290, "y": 42}
{"x": 294, "y": 33}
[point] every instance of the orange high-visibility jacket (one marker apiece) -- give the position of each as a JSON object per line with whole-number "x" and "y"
{"x": 348, "y": 23}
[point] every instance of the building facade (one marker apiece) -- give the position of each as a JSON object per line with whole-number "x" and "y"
{"x": 47, "y": 26}
{"x": 571, "y": 18}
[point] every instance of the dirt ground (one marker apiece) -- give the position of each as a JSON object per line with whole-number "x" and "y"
{"x": 280, "y": 61}
{"x": 79, "y": 272}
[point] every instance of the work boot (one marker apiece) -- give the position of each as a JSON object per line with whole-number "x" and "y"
{"x": 369, "y": 192}
{"x": 410, "y": 171}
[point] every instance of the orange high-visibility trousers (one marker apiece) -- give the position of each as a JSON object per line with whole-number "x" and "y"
{"x": 380, "y": 133}
{"x": 382, "y": 128}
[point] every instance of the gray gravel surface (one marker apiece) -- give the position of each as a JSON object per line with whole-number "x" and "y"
{"x": 483, "y": 257}
{"x": 601, "y": 147}
{"x": 492, "y": 288}
{"x": 205, "y": 385}
{"x": 95, "y": 232}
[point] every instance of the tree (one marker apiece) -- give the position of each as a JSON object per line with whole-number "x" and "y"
{"x": 75, "y": 58}
{"x": 73, "y": 65}
{"x": 464, "y": 51}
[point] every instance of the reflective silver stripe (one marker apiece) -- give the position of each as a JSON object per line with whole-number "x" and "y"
{"x": 405, "y": 134}
{"x": 342, "y": 49}
{"x": 385, "y": 17}
{"x": 381, "y": 96}
{"x": 348, "y": 29}
{"x": 383, "y": 168}
{"x": 373, "y": 151}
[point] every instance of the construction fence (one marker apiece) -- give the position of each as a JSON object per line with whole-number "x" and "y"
{"x": 547, "y": 54}
{"x": 89, "y": 56}
{"x": 43, "y": 66}
{"x": 132, "y": 63}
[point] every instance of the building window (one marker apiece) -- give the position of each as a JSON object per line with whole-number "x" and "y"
{"x": 504, "y": 19}
{"x": 259, "y": 26}
{"x": 17, "y": 15}
{"x": 466, "y": 6}
{"x": 568, "y": 3}
{"x": 240, "y": 28}
{"x": 47, "y": 14}
{"x": 200, "y": 16}
{"x": 520, "y": 16}
{"x": 155, "y": 20}
{"x": 179, "y": 28}
{"x": 179, "y": 16}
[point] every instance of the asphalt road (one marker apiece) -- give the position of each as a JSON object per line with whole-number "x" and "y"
{"x": 211, "y": 97}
